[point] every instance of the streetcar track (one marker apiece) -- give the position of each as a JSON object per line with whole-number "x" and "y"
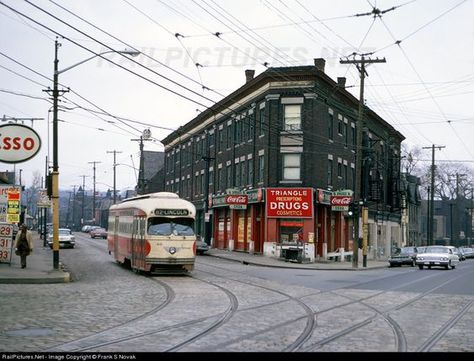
{"x": 306, "y": 333}
{"x": 234, "y": 304}
{"x": 400, "y": 338}
{"x": 433, "y": 340}
{"x": 169, "y": 297}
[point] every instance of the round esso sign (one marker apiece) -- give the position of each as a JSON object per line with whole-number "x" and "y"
{"x": 18, "y": 143}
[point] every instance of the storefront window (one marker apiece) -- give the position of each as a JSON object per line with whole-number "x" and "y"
{"x": 291, "y": 231}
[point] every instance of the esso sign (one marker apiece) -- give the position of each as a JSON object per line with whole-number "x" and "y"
{"x": 18, "y": 143}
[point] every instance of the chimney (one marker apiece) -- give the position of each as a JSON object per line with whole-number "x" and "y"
{"x": 249, "y": 73}
{"x": 319, "y": 63}
{"x": 341, "y": 81}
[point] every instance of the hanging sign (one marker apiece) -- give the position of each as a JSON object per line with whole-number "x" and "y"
{"x": 18, "y": 143}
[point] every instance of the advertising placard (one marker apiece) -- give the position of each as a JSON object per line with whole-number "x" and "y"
{"x": 340, "y": 200}
{"x": 6, "y": 242}
{"x": 4, "y": 203}
{"x": 289, "y": 202}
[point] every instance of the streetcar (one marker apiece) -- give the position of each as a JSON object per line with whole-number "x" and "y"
{"x": 153, "y": 233}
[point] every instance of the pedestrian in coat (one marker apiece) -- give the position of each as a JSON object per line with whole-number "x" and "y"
{"x": 23, "y": 244}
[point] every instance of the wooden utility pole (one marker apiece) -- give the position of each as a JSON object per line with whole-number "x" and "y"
{"x": 83, "y": 198}
{"x": 93, "y": 194}
{"x": 431, "y": 208}
{"x": 359, "y": 199}
{"x": 115, "y": 165}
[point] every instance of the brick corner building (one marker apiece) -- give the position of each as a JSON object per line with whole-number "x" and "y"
{"x": 274, "y": 163}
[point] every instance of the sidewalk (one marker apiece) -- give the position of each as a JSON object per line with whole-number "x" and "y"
{"x": 266, "y": 261}
{"x": 39, "y": 267}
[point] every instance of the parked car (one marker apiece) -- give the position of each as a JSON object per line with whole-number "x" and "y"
{"x": 98, "y": 233}
{"x": 201, "y": 246}
{"x": 66, "y": 238}
{"x": 439, "y": 256}
{"x": 404, "y": 255}
{"x": 420, "y": 249}
{"x": 468, "y": 252}
{"x": 458, "y": 251}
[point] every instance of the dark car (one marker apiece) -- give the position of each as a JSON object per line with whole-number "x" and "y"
{"x": 98, "y": 233}
{"x": 201, "y": 246}
{"x": 404, "y": 255}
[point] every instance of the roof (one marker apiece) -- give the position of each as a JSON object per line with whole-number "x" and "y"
{"x": 280, "y": 74}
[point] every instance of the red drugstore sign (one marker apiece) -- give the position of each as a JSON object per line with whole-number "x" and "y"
{"x": 289, "y": 202}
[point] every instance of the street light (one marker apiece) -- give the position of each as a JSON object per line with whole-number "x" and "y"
{"x": 55, "y": 172}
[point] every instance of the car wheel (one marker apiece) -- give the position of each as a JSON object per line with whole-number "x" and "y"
{"x": 420, "y": 266}
{"x": 390, "y": 265}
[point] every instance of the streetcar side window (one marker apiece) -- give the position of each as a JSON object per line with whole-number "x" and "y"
{"x": 160, "y": 226}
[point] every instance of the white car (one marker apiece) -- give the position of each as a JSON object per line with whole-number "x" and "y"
{"x": 439, "y": 256}
{"x": 66, "y": 238}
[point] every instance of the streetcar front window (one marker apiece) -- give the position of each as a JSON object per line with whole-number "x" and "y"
{"x": 160, "y": 226}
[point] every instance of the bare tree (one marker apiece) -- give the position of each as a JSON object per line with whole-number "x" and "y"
{"x": 410, "y": 159}
{"x": 452, "y": 180}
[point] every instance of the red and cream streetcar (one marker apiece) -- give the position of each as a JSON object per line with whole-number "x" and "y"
{"x": 153, "y": 233}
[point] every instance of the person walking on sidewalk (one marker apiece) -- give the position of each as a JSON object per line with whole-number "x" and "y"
{"x": 23, "y": 244}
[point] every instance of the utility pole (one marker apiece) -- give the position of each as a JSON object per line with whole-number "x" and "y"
{"x": 83, "y": 197}
{"x": 73, "y": 209}
{"x": 456, "y": 203}
{"x": 431, "y": 208}
{"x": 146, "y": 135}
{"x": 93, "y": 194}
{"x": 55, "y": 173}
{"x": 115, "y": 165}
{"x": 207, "y": 220}
{"x": 359, "y": 200}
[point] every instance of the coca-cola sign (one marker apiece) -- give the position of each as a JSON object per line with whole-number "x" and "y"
{"x": 340, "y": 200}
{"x": 236, "y": 199}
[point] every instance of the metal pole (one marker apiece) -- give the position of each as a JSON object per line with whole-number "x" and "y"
{"x": 55, "y": 173}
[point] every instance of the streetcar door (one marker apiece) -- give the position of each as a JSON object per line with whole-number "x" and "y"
{"x": 134, "y": 245}
{"x": 116, "y": 246}
{"x": 138, "y": 242}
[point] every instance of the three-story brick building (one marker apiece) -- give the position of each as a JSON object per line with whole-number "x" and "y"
{"x": 262, "y": 164}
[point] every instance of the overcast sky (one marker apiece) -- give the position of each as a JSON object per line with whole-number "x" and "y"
{"x": 425, "y": 89}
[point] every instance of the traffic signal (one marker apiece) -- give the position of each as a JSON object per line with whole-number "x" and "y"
{"x": 352, "y": 209}
{"x": 49, "y": 185}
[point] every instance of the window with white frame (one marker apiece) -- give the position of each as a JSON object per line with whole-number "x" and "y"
{"x": 292, "y": 119}
{"x": 291, "y": 166}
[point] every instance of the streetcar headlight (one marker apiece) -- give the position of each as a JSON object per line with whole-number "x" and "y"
{"x": 172, "y": 250}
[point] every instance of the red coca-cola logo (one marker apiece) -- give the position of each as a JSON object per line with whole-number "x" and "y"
{"x": 240, "y": 199}
{"x": 340, "y": 200}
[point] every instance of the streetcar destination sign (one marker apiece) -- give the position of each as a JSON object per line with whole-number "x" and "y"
{"x": 18, "y": 143}
{"x": 171, "y": 212}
